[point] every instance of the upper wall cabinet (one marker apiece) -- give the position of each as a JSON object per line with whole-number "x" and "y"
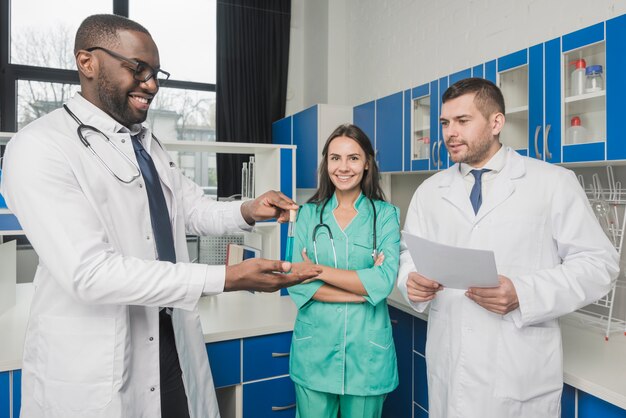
{"x": 513, "y": 82}
{"x": 563, "y": 96}
{"x": 309, "y": 130}
{"x": 563, "y": 104}
{"x": 389, "y": 116}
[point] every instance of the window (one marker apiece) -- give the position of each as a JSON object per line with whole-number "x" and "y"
{"x": 38, "y": 72}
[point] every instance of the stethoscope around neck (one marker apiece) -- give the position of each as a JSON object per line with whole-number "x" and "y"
{"x": 322, "y": 225}
{"x": 82, "y": 128}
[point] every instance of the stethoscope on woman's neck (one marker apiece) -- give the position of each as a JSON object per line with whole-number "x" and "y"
{"x": 322, "y": 225}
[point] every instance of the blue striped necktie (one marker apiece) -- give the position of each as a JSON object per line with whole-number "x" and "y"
{"x": 476, "y": 195}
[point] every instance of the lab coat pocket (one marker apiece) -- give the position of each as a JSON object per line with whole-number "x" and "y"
{"x": 382, "y": 359}
{"x": 76, "y": 357}
{"x": 528, "y": 362}
{"x": 521, "y": 254}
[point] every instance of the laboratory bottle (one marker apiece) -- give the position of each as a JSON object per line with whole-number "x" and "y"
{"x": 577, "y": 79}
{"x": 595, "y": 82}
{"x": 425, "y": 147}
{"x": 576, "y": 133}
{"x": 251, "y": 174}
{"x": 244, "y": 181}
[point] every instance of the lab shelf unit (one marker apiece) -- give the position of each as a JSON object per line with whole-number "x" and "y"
{"x": 537, "y": 87}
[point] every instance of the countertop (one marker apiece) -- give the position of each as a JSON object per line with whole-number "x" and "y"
{"x": 590, "y": 363}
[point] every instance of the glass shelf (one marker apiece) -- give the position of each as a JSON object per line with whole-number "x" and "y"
{"x": 590, "y": 108}
{"x": 514, "y": 86}
{"x": 420, "y": 142}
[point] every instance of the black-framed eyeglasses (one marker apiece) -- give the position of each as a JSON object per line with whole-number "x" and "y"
{"x": 141, "y": 70}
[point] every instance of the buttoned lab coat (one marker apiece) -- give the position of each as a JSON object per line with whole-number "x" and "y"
{"x": 546, "y": 239}
{"x": 91, "y": 346}
{"x": 347, "y": 348}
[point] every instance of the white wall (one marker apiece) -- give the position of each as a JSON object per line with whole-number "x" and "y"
{"x": 353, "y": 51}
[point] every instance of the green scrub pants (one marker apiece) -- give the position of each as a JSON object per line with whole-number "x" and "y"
{"x": 313, "y": 404}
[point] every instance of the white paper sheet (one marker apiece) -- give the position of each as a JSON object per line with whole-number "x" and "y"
{"x": 453, "y": 267}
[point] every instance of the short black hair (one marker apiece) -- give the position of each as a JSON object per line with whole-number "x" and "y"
{"x": 102, "y": 30}
{"x": 488, "y": 99}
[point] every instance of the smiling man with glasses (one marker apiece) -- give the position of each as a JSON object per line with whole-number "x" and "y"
{"x": 142, "y": 71}
{"x": 114, "y": 329}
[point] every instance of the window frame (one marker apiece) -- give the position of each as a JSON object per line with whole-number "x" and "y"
{"x": 10, "y": 73}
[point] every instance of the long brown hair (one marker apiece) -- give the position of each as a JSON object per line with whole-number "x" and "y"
{"x": 370, "y": 184}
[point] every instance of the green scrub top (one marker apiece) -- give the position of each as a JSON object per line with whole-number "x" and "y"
{"x": 347, "y": 348}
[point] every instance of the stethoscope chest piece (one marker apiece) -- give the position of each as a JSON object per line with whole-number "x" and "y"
{"x": 321, "y": 226}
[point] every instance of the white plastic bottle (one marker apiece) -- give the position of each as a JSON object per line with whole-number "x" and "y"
{"x": 578, "y": 77}
{"x": 576, "y": 133}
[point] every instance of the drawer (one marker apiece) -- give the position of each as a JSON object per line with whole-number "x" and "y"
{"x": 266, "y": 356}
{"x": 274, "y": 398}
{"x": 225, "y": 361}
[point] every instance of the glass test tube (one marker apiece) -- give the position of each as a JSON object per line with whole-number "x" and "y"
{"x": 291, "y": 232}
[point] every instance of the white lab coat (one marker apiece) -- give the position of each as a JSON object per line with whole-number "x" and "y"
{"x": 91, "y": 346}
{"x": 546, "y": 239}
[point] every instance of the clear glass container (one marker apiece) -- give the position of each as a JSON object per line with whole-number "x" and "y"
{"x": 595, "y": 81}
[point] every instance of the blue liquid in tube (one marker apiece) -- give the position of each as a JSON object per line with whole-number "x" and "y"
{"x": 291, "y": 232}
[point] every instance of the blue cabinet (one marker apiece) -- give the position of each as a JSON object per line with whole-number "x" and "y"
{"x": 419, "y": 129}
{"x": 261, "y": 364}
{"x": 398, "y": 403}
{"x": 389, "y": 131}
{"x": 513, "y": 80}
{"x": 275, "y": 398}
{"x": 305, "y": 138}
{"x": 17, "y": 392}
{"x": 438, "y": 148}
{"x": 568, "y": 402}
{"x": 266, "y": 356}
{"x": 308, "y": 130}
{"x": 364, "y": 116}
{"x": 5, "y": 393}
{"x": 615, "y": 87}
{"x": 591, "y": 407}
{"x": 420, "y": 381}
{"x": 225, "y": 361}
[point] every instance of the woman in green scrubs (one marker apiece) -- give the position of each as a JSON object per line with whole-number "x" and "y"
{"x": 342, "y": 355}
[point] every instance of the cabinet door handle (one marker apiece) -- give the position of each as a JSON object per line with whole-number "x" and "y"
{"x": 432, "y": 157}
{"x": 537, "y": 153}
{"x": 545, "y": 142}
{"x": 280, "y": 355}
{"x": 283, "y": 408}
{"x": 394, "y": 321}
{"x": 440, "y": 142}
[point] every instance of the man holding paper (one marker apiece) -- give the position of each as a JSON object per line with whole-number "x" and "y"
{"x": 495, "y": 352}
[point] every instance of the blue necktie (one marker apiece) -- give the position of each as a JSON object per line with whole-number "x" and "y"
{"x": 159, "y": 215}
{"x": 169, "y": 364}
{"x": 476, "y": 195}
